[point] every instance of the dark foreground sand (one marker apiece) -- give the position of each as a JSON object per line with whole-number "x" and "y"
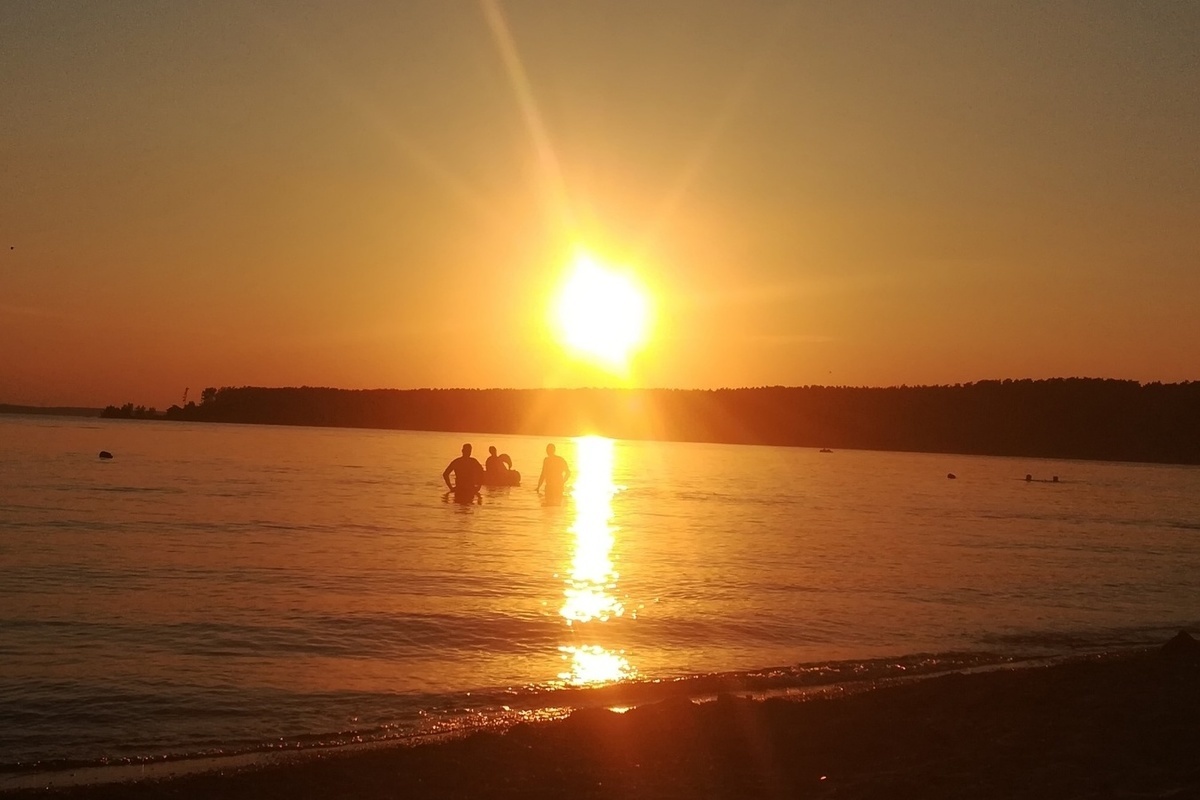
{"x": 1119, "y": 727}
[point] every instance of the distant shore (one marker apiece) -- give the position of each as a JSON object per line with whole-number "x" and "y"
{"x": 52, "y": 411}
{"x": 1063, "y": 418}
{"x": 1119, "y": 726}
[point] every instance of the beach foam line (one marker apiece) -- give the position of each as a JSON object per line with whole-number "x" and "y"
{"x": 499, "y": 710}
{"x": 1116, "y": 725}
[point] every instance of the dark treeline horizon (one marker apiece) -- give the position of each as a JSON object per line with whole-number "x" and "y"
{"x": 1085, "y": 418}
{"x": 53, "y": 411}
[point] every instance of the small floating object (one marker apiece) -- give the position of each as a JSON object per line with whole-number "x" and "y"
{"x": 951, "y": 475}
{"x": 1054, "y": 479}
{"x": 105, "y": 454}
{"x": 825, "y": 450}
{"x": 508, "y": 477}
{"x": 1028, "y": 478}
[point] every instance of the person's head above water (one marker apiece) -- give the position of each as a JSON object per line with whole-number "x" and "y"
{"x": 466, "y": 449}
{"x": 492, "y": 449}
{"x": 549, "y": 449}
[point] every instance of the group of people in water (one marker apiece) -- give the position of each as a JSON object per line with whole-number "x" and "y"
{"x": 470, "y": 476}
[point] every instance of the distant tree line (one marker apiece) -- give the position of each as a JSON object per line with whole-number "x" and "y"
{"x": 60, "y": 411}
{"x": 1058, "y": 418}
{"x": 130, "y": 411}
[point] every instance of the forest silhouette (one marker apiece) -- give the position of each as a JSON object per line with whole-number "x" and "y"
{"x": 1083, "y": 418}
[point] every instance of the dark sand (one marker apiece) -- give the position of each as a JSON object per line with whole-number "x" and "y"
{"x": 1123, "y": 726}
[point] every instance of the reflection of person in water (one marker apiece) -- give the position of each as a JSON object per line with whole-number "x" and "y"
{"x": 468, "y": 476}
{"x": 555, "y": 473}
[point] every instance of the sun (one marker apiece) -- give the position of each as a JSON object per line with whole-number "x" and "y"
{"x": 601, "y": 313}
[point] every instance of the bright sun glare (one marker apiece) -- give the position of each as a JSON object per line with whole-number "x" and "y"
{"x": 601, "y": 314}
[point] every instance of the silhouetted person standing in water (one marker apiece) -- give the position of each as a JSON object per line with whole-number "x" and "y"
{"x": 468, "y": 477}
{"x": 555, "y": 473}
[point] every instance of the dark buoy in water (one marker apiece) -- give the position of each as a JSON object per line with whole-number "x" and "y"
{"x": 1054, "y": 479}
{"x": 105, "y": 454}
{"x": 1028, "y": 477}
{"x": 951, "y": 475}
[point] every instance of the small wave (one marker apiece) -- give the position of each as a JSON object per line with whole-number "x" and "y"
{"x": 496, "y": 709}
{"x": 1077, "y": 641}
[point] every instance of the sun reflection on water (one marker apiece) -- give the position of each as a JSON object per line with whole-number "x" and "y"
{"x": 589, "y": 594}
{"x": 592, "y": 665}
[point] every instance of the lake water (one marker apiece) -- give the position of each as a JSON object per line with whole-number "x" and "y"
{"x": 219, "y": 589}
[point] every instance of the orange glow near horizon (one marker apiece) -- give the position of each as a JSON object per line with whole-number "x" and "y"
{"x": 396, "y": 203}
{"x": 589, "y": 597}
{"x": 601, "y": 314}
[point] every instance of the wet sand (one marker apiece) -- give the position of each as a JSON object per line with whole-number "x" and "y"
{"x": 1125, "y": 726}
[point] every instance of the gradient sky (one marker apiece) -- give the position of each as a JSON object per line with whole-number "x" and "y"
{"x": 383, "y": 194}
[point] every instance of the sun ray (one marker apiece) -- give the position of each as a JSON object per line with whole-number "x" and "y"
{"x": 553, "y": 185}
{"x": 708, "y": 139}
{"x": 371, "y": 111}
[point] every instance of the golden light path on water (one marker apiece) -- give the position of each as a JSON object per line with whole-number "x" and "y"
{"x": 588, "y": 594}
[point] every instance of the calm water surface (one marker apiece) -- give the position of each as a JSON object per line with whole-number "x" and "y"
{"x": 222, "y": 589}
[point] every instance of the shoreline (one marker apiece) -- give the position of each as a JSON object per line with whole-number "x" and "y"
{"x": 500, "y": 714}
{"x": 1120, "y": 725}
{"x": 1084, "y": 459}
{"x": 1056, "y": 418}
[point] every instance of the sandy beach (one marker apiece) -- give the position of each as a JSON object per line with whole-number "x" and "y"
{"x": 1119, "y": 726}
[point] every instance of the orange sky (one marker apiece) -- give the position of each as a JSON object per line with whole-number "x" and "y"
{"x": 383, "y": 194}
